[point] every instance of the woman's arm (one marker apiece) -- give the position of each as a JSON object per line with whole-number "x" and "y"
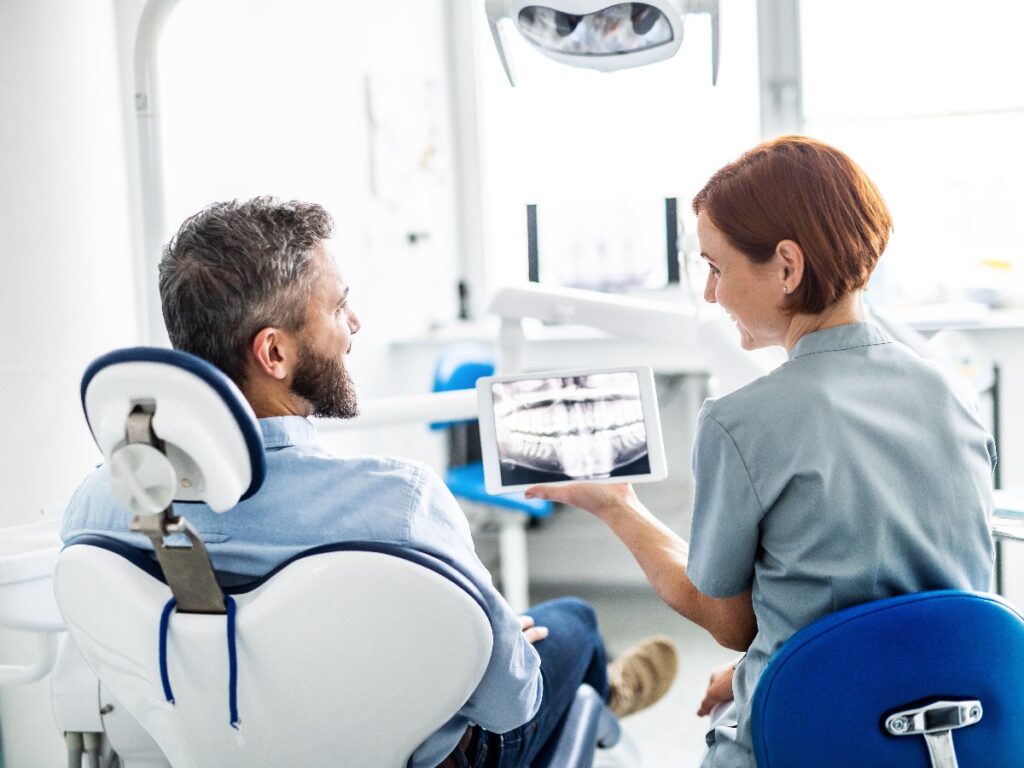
{"x": 663, "y": 556}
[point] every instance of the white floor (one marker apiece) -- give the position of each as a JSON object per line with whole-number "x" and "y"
{"x": 669, "y": 734}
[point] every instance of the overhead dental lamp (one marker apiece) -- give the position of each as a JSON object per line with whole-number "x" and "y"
{"x": 596, "y": 35}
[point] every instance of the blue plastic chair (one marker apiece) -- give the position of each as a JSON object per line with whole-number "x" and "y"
{"x": 897, "y": 683}
{"x": 459, "y": 367}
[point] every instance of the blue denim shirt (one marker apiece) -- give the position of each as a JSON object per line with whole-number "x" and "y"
{"x": 851, "y": 473}
{"x": 310, "y": 497}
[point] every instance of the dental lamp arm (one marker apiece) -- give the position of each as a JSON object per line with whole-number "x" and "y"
{"x": 496, "y": 11}
{"x": 663, "y": 556}
{"x": 621, "y": 316}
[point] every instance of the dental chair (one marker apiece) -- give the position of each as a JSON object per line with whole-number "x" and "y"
{"x": 347, "y": 654}
{"x": 929, "y": 679}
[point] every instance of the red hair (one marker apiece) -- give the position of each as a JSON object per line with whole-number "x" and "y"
{"x": 800, "y": 189}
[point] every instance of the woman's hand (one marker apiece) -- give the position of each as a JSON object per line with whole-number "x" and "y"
{"x": 601, "y": 499}
{"x": 719, "y": 689}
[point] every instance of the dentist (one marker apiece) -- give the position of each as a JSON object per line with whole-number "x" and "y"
{"x": 851, "y": 473}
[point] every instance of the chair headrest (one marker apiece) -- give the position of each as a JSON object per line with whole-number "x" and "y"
{"x": 211, "y": 436}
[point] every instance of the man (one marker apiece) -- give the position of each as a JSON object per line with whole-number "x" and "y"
{"x": 251, "y": 288}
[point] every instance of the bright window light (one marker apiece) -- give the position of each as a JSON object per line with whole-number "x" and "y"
{"x": 927, "y": 96}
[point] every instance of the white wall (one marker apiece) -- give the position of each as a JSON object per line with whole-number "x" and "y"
{"x": 323, "y": 106}
{"x": 66, "y": 277}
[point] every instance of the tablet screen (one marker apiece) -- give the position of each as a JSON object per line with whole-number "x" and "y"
{"x": 570, "y": 428}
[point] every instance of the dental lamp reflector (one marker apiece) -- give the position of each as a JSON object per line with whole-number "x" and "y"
{"x": 596, "y": 35}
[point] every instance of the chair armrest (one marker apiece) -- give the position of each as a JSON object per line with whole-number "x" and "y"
{"x": 588, "y": 725}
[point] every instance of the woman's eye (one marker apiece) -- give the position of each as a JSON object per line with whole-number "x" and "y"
{"x": 714, "y": 270}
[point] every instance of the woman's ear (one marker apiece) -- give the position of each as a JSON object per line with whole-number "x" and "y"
{"x": 272, "y": 353}
{"x": 791, "y": 260}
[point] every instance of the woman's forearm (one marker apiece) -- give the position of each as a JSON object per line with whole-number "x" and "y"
{"x": 663, "y": 555}
{"x": 660, "y": 552}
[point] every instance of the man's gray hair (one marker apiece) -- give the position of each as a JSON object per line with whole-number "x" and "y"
{"x": 235, "y": 268}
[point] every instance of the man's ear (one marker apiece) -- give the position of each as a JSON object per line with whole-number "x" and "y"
{"x": 272, "y": 353}
{"x": 790, "y": 257}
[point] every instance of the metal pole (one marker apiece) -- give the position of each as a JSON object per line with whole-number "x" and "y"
{"x": 147, "y": 114}
{"x": 997, "y": 478}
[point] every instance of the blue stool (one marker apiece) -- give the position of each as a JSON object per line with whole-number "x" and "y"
{"x": 895, "y": 684}
{"x": 459, "y": 367}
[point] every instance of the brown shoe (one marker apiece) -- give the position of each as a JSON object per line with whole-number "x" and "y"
{"x": 641, "y": 675}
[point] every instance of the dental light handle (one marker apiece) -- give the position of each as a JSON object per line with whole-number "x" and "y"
{"x": 496, "y": 11}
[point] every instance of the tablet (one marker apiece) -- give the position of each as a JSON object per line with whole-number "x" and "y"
{"x": 558, "y": 427}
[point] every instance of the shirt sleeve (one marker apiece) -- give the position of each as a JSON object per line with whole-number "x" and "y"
{"x": 509, "y": 694}
{"x": 724, "y": 533}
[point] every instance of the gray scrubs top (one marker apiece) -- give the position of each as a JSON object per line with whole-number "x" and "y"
{"x": 851, "y": 473}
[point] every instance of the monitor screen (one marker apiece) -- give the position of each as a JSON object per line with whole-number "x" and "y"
{"x": 604, "y": 245}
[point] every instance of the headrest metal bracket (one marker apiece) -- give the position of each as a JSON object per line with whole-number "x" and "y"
{"x": 187, "y": 569}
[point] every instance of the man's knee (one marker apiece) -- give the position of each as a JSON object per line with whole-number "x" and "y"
{"x": 579, "y": 611}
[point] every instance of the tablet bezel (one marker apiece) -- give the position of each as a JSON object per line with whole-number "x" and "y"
{"x": 648, "y": 404}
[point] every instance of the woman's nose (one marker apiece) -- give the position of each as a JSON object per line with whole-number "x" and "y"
{"x": 709, "y": 290}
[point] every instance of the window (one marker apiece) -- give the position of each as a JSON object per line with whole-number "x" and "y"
{"x": 565, "y": 134}
{"x": 927, "y": 96}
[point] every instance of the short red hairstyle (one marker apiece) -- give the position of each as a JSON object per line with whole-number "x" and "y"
{"x": 797, "y": 188}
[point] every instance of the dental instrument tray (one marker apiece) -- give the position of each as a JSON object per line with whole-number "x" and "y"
{"x": 558, "y": 427}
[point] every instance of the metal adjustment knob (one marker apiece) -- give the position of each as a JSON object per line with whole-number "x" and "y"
{"x": 142, "y": 479}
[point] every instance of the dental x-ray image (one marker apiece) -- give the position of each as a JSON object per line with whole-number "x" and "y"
{"x": 570, "y": 428}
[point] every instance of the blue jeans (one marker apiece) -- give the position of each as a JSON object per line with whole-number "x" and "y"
{"x": 571, "y": 654}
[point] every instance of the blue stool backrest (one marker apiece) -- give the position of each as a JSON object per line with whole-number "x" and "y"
{"x": 458, "y": 367}
{"x": 823, "y": 697}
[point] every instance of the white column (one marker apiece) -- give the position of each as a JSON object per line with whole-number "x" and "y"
{"x": 67, "y": 287}
{"x": 778, "y": 41}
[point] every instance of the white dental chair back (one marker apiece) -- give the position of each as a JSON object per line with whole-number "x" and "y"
{"x": 343, "y": 658}
{"x": 350, "y": 654}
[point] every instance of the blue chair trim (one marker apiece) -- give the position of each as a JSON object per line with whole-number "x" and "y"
{"x": 208, "y": 373}
{"x": 143, "y": 560}
{"x": 232, "y": 608}
{"x": 165, "y": 678}
{"x": 165, "y": 623}
{"x": 432, "y": 561}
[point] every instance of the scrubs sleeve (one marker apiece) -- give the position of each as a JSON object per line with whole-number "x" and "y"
{"x": 510, "y": 692}
{"x": 727, "y": 514}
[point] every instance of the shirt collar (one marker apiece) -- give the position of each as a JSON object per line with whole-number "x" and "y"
{"x": 283, "y": 431}
{"x": 848, "y": 336}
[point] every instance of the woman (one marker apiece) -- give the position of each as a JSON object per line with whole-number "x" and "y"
{"x": 851, "y": 473}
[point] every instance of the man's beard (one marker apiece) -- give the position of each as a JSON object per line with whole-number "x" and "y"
{"x": 323, "y": 381}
